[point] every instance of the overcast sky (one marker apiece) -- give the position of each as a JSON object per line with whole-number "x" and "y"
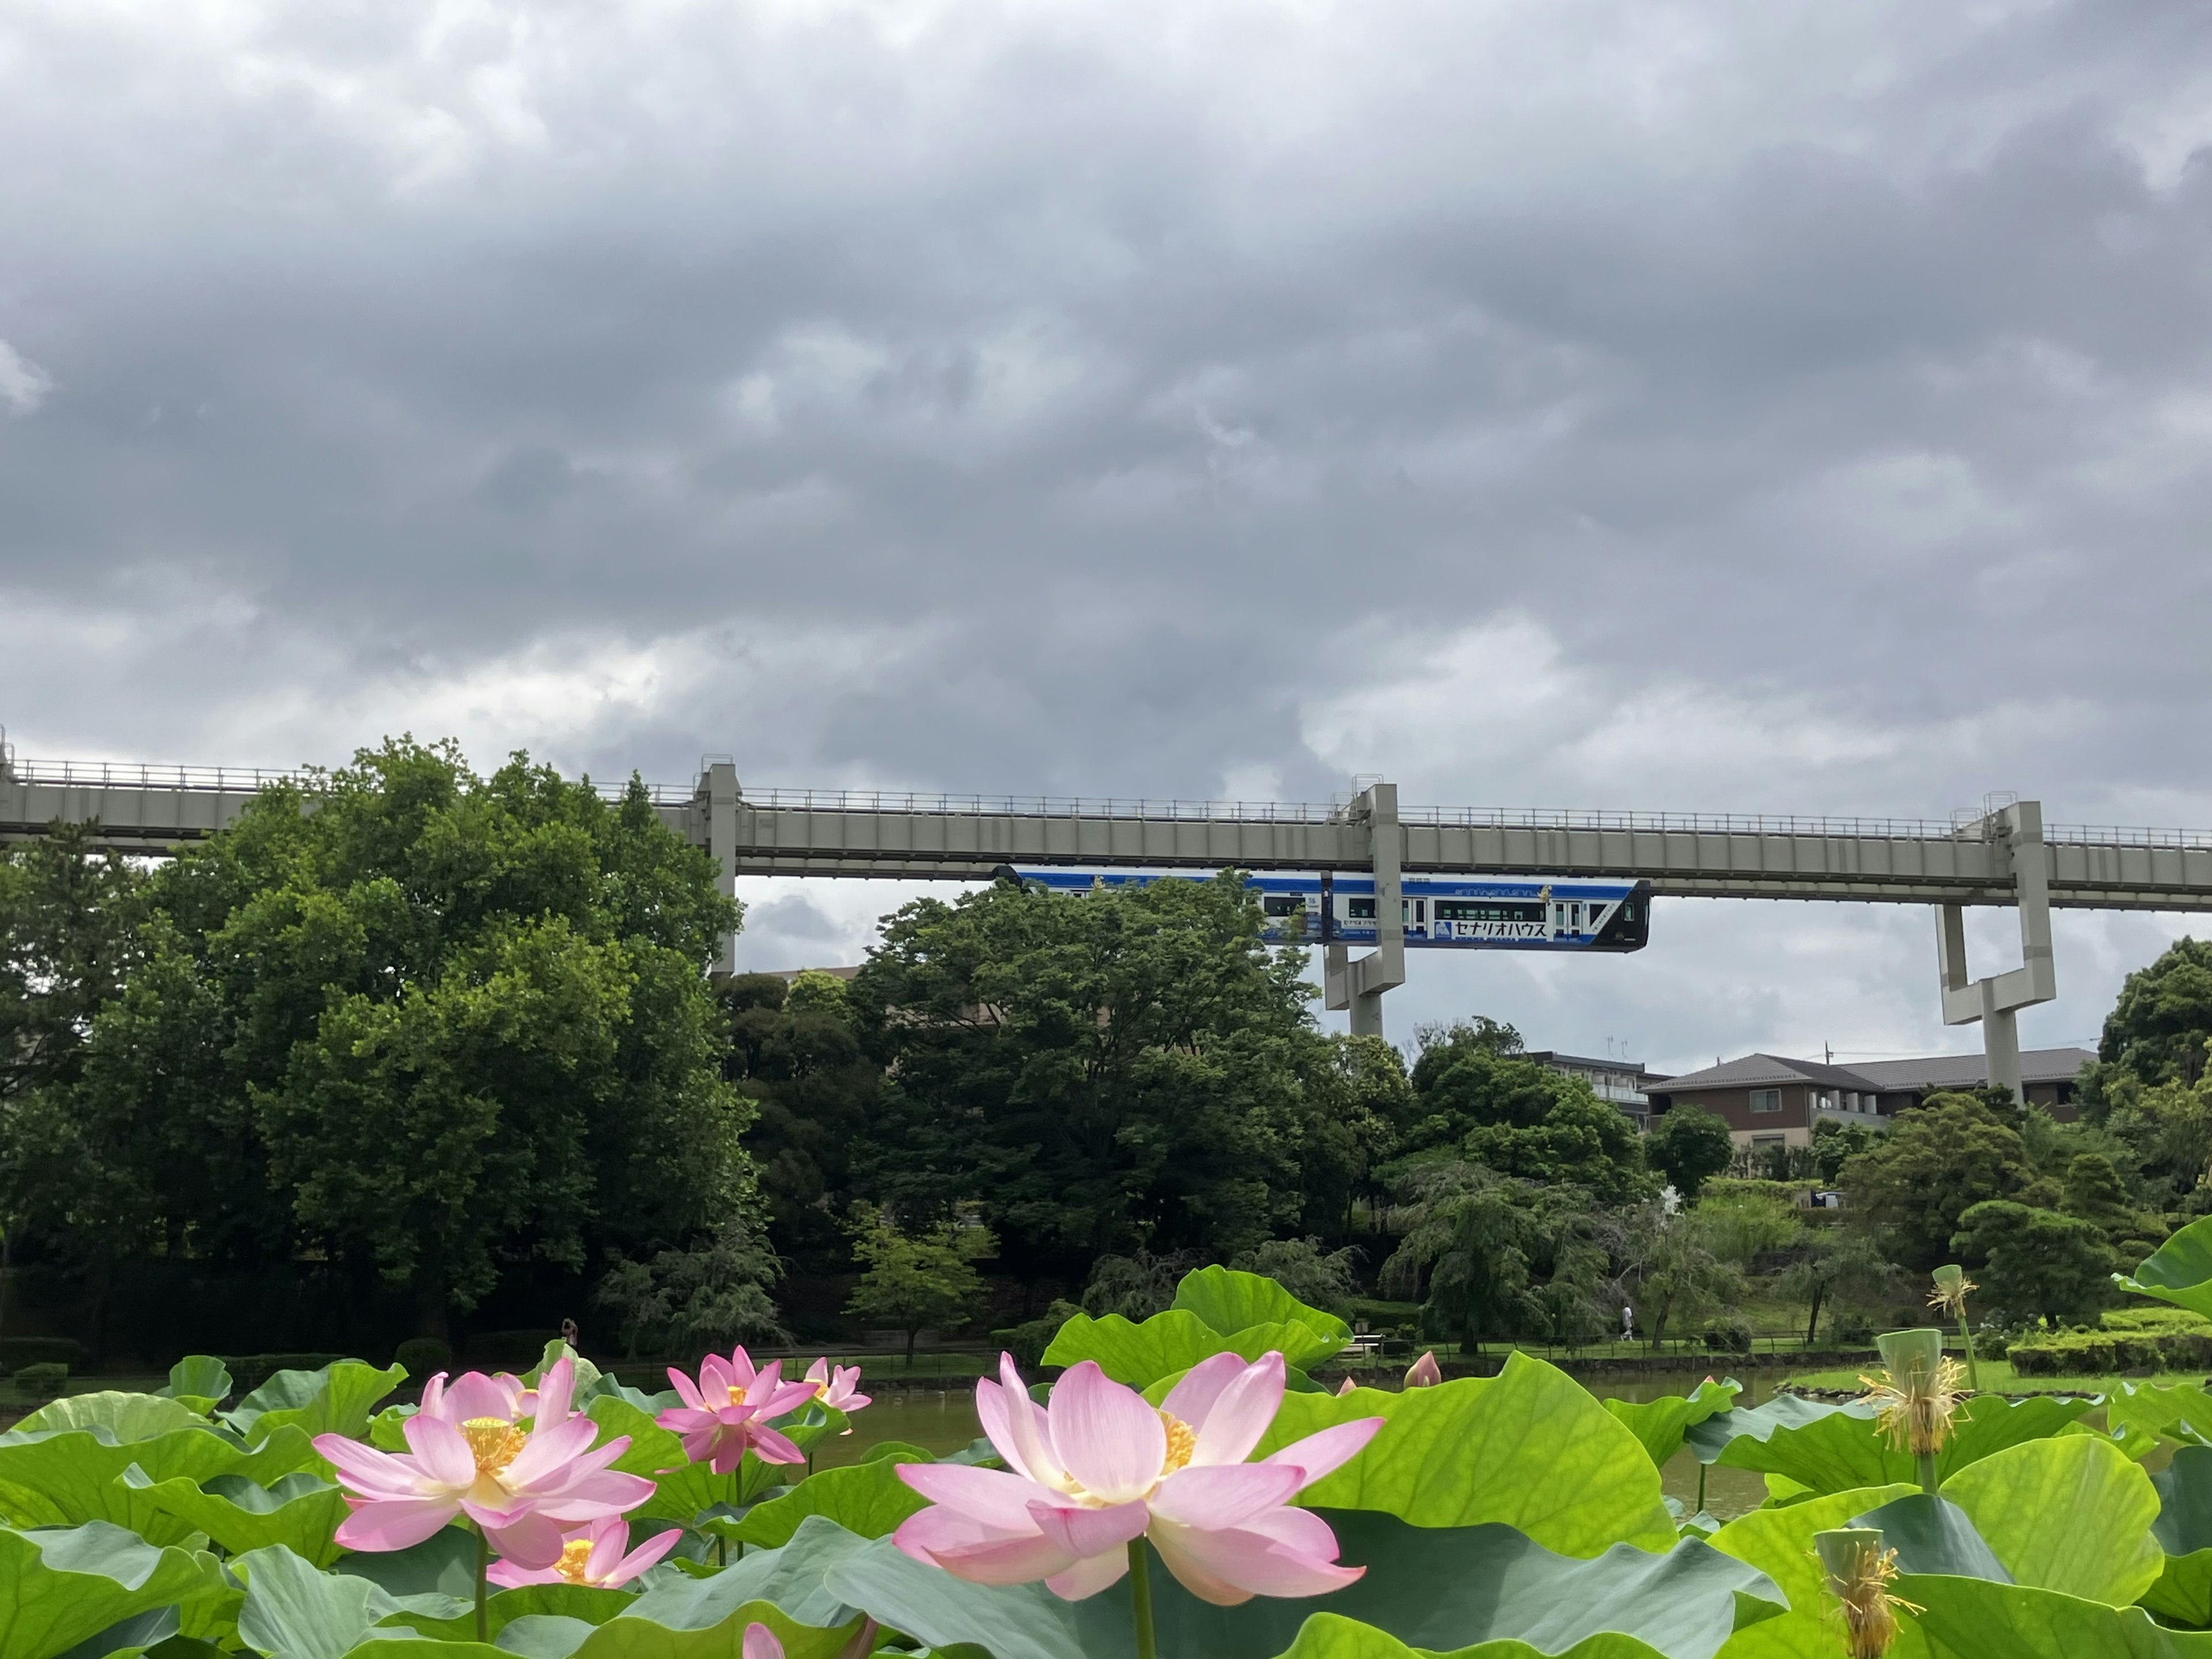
{"x": 1757, "y": 406}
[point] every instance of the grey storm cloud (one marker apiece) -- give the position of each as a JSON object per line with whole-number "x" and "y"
{"x": 1598, "y": 402}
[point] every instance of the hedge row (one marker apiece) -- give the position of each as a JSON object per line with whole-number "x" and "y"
{"x": 2073, "y": 1353}
{"x": 17, "y": 1352}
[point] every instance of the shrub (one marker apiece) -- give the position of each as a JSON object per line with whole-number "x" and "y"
{"x": 1729, "y": 1336}
{"x": 20, "y": 1351}
{"x": 42, "y": 1381}
{"x": 1028, "y": 1341}
{"x": 424, "y": 1357}
{"x": 2070, "y": 1353}
{"x": 1852, "y": 1328}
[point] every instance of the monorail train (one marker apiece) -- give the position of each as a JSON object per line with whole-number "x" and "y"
{"x": 1461, "y": 913}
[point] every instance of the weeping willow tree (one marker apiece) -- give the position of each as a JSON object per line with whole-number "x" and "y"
{"x": 1491, "y": 1256}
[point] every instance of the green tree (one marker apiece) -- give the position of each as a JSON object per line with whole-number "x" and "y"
{"x": 915, "y": 1281}
{"x": 1839, "y": 1267}
{"x": 1356, "y": 1104}
{"x": 1669, "y": 1273}
{"x": 2036, "y": 1263}
{"x": 711, "y": 1295}
{"x": 1136, "y": 1285}
{"x": 426, "y": 1023}
{"x": 2167, "y": 1130}
{"x": 1125, "y": 1067}
{"x": 2157, "y": 1030}
{"x": 70, "y": 915}
{"x": 1738, "y": 1226}
{"x": 1476, "y": 1097}
{"x": 69, "y": 920}
{"x": 1492, "y": 1257}
{"x": 1327, "y": 1279}
{"x": 1689, "y": 1146}
{"x": 1937, "y": 1162}
{"x": 1835, "y": 1144}
{"x": 795, "y": 1051}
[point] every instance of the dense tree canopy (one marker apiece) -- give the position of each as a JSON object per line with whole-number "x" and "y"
{"x": 1477, "y": 1096}
{"x": 1937, "y": 1163}
{"x": 795, "y": 1052}
{"x": 1126, "y": 1066}
{"x": 2159, "y": 1028}
{"x": 412, "y": 1018}
{"x": 1689, "y": 1146}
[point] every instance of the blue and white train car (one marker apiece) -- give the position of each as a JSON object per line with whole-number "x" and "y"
{"x": 1443, "y": 911}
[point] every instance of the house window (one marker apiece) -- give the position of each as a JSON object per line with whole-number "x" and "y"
{"x": 1766, "y": 1100}
{"x": 1759, "y": 1141}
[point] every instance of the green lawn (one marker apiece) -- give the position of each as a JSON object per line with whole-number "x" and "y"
{"x": 1997, "y": 1377}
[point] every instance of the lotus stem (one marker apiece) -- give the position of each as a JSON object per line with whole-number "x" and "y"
{"x": 1140, "y": 1595}
{"x": 484, "y": 1579}
{"x": 1950, "y": 1295}
{"x": 1701, "y": 1486}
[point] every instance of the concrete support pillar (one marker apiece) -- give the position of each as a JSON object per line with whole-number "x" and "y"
{"x": 1358, "y": 986}
{"x": 718, "y": 794}
{"x": 1996, "y": 1001}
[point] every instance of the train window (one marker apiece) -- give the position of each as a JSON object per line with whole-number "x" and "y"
{"x": 1360, "y": 909}
{"x": 1281, "y": 904}
{"x": 1475, "y": 910}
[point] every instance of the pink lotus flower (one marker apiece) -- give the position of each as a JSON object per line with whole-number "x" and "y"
{"x": 761, "y": 1643}
{"x": 1099, "y": 1467}
{"x": 468, "y": 1454}
{"x": 836, "y": 1387}
{"x": 726, "y": 1412}
{"x": 1424, "y": 1373}
{"x": 593, "y": 1556}
{"x": 1345, "y": 1388}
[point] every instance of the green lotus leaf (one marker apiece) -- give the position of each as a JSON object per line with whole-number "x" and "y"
{"x": 1529, "y": 1449}
{"x": 1137, "y": 1355}
{"x": 1934, "y": 1535}
{"x": 685, "y": 1487}
{"x": 2071, "y": 1514}
{"x": 1830, "y": 1448}
{"x": 2180, "y": 1411}
{"x": 293, "y": 1611}
{"x": 902, "y": 1451}
{"x": 65, "y": 1477}
{"x": 59, "y": 1589}
{"x": 339, "y": 1399}
{"x": 1326, "y": 1636}
{"x": 125, "y": 1416}
{"x": 583, "y": 1604}
{"x": 1450, "y": 1588}
{"x": 585, "y": 1373}
{"x": 1812, "y": 1636}
{"x": 868, "y": 1500}
{"x": 2179, "y": 1271}
{"x": 705, "y": 1618}
{"x": 1230, "y": 1301}
{"x": 1779, "y": 1542}
{"x": 300, "y": 1511}
{"x": 197, "y": 1376}
{"x": 1299, "y": 1344}
{"x": 1660, "y": 1424}
{"x": 1973, "y": 1618}
{"x": 2182, "y": 1593}
{"x": 390, "y": 1642}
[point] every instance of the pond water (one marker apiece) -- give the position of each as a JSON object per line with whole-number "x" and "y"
{"x": 943, "y": 1421}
